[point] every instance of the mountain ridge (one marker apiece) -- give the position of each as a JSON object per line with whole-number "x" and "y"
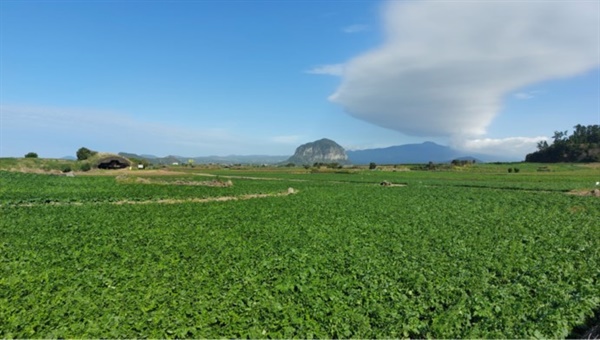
{"x": 230, "y": 159}
{"x": 416, "y": 153}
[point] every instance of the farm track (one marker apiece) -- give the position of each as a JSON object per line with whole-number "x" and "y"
{"x": 290, "y": 191}
{"x": 253, "y": 178}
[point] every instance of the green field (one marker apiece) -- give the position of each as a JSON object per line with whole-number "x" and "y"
{"x": 473, "y": 252}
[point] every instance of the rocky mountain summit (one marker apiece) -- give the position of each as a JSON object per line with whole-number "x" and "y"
{"x": 320, "y": 151}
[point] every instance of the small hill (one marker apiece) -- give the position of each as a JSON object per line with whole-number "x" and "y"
{"x": 320, "y": 151}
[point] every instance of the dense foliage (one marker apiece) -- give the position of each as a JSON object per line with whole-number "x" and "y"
{"x": 31, "y": 155}
{"x": 582, "y": 146}
{"x": 448, "y": 256}
{"x": 84, "y": 153}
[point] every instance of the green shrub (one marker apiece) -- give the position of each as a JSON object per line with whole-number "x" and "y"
{"x": 85, "y": 153}
{"x": 85, "y": 167}
{"x": 31, "y": 155}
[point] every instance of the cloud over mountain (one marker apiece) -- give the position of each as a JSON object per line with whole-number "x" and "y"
{"x": 446, "y": 66}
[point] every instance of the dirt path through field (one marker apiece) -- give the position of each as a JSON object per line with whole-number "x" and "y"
{"x": 256, "y": 178}
{"x": 289, "y": 191}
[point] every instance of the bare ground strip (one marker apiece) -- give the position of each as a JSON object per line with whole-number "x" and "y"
{"x": 289, "y": 191}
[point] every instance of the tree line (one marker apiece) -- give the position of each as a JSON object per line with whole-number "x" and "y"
{"x": 583, "y": 145}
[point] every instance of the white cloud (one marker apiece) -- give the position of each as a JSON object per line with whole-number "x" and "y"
{"x": 526, "y": 94}
{"x": 331, "y": 69}
{"x": 446, "y": 65}
{"x": 355, "y": 28}
{"x": 512, "y": 147}
{"x": 523, "y": 95}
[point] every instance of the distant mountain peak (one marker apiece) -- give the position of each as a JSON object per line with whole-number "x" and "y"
{"x": 323, "y": 150}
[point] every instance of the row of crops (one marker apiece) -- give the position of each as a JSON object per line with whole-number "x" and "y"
{"x": 342, "y": 258}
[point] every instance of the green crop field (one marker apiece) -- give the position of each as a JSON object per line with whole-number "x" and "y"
{"x": 465, "y": 253}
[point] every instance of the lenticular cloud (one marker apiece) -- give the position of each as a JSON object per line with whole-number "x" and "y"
{"x": 446, "y": 66}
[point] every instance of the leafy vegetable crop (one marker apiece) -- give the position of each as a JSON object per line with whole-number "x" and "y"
{"x": 338, "y": 259}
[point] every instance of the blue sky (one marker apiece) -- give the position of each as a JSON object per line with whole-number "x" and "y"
{"x": 198, "y": 78}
